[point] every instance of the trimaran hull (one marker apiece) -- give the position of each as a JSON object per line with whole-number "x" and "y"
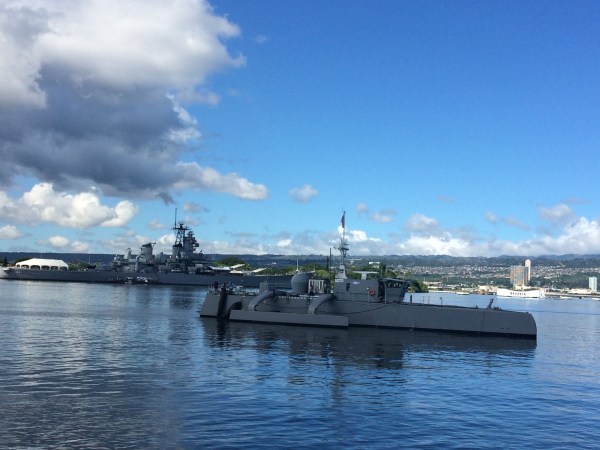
{"x": 295, "y": 310}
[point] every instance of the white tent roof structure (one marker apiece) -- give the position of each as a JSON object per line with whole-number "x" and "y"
{"x": 45, "y": 264}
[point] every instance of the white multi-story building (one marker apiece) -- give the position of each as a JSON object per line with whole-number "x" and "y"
{"x": 527, "y": 272}
{"x": 594, "y": 284}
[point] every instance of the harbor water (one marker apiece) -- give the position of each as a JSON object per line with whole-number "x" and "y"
{"x": 130, "y": 366}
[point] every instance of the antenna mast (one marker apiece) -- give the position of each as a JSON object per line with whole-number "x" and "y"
{"x": 343, "y": 248}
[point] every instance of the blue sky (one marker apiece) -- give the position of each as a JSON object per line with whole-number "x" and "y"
{"x": 467, "y": 128}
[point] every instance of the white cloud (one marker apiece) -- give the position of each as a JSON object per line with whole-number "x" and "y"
{"x": 194, "y": 207}
{"x": 444, "y": 244}
{"x": 430, "y": 238}
{"x": 84, "y": 210}
{"x": 156, "y": 225}
{"x": 303, "y": 194}
{"x": 58, "y": 241}
{"x": 578, "y": 236}
{"x": 557, "y": 215}
{"x": 284, "y": 243}
{"x": 420, "y": 223}
{"x": 510, "y": 221}
{"x": 111, "y": 42}
{"x": 194, "y": 176}
{"x": 385, "y": 216}
{"x": 122, "y": 213}
{"x": 164, "y": 243}
{"x": 581, "y": 236}
{"x": 516, "y": 223}
{"x": 186, "y": 129}
{"x": 9, "y": 232}
{"x": 79, "y": 247}
{"x": 63, "y": 244}
{"x": 362, "y": 208}
{"x": 131, "y": 43}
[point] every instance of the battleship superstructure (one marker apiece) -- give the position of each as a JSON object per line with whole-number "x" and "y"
{"x": 183, "y": 257}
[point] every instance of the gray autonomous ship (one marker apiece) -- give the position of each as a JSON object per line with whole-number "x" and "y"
{"x": 378, "y": 303}
{"x": 184, "y": 266}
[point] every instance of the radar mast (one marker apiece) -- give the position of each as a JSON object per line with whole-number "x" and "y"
{"x": 343, "y": 248}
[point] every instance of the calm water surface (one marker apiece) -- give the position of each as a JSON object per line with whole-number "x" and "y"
{"x": 102, "y": 366}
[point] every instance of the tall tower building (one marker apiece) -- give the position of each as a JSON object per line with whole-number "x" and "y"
{"x": 527, "y": 272}
{"x": 517, "y": 276}
{"x": 594, "y": 284}
{"x": 520, "y": 276}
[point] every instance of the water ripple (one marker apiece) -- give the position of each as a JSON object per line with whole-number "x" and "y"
{"x": 84, "y": 366}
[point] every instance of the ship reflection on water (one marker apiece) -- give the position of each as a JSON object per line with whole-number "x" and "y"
{"x": 368, "y": 347}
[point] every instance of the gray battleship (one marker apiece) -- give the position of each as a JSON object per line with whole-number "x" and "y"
{"x": 366, "y": 302}
{"x": 183, "y": 266}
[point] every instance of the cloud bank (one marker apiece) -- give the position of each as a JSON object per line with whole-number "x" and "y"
{"x": 95, "y": 93}
{"x": 42, "y": 204}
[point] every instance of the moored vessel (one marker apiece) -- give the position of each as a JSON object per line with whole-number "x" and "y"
{"x": 183, "y": 266}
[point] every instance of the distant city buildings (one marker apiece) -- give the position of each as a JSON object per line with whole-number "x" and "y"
{"x": 520, "y": 276}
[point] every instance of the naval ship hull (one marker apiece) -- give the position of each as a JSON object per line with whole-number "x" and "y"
{"x": 171, "y": 278}
{"x": 327, "y": 311}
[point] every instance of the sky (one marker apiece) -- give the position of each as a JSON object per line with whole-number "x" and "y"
{"x": 462, "y": 128}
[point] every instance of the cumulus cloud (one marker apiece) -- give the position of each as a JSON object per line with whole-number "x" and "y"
{"x": 95, "y": 93}
{"x": 303, "y": 194}
{"x": 580, "y": 236}
{"x": 9, "y": 232}
{"x": 571, "y": 234}
{"x": 443, "y": 244}
{"x": 420, "y": 223}
{"x": 384, "y": 216}
{"x": 113, "y": 43}
{"x": 516, "y": 223}
{"x": 63, "y": 244}
{"x": 510, "y": 221}
{"x": 423, "y": 235}
{"x": 426, "y": 236}
{"x": 42, "y": 204}
{"x": 193, "y": 176}
{"x": 557, "y": 215}
{"x": 58, "y": 241}
{"x": 156, "y": 225}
